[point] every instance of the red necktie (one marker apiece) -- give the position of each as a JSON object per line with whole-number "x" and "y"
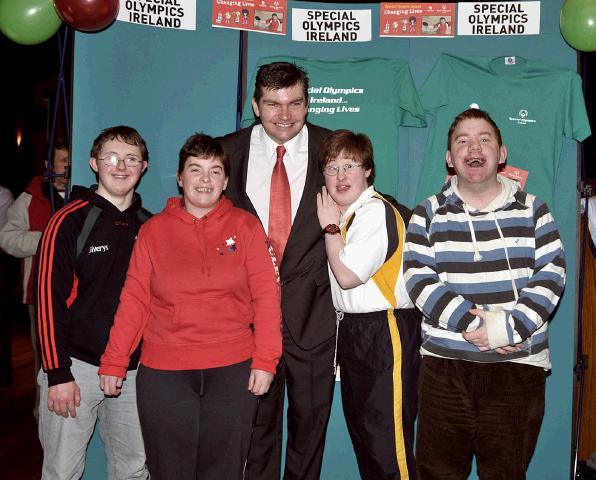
{"x": 280, "y": 206}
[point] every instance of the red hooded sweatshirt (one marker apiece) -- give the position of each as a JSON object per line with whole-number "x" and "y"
{"x": 194, "y": 287}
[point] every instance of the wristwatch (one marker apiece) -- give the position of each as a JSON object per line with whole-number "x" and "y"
{"x": 331, "y": 229}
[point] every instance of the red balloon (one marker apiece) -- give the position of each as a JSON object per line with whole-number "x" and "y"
{"x": 87, "y": 15}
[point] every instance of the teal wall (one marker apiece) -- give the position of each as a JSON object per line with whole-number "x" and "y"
{"x": 169, "y": 84}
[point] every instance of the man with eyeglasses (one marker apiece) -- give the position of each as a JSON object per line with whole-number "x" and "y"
{"x": 274, "y": 174}
{"x": 378, "y": 326}
{"x": 81, "y": 266}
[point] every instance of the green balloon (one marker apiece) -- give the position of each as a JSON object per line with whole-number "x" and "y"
{"x": 28, "y": 21}
{"x": 578, "y": 24}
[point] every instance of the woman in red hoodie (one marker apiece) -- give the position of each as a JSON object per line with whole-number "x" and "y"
{"x": 203, "y": 295}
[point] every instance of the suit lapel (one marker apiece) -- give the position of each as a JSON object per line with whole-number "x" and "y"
{"x": 241, "y": 172}
{"x": 306, "y": 212}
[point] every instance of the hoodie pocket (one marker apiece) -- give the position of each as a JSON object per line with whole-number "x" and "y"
{"x": 210, "y": 319}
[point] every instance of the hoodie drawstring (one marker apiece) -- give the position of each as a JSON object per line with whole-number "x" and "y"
{"x": 515, "y": 293}
{"x": 339, "y": 316}
{"x": 477, "y": 254}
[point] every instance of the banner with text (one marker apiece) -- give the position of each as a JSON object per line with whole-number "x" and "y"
{"x": 269, "y": 16}
{"x": 499, "y": 18}
{"x": 432, "y": 20}
{"x": 180, "y": 14}
{"x": 331, "y": 25}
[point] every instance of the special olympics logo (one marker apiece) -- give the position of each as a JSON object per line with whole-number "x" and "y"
{"x": 523, "y": 113}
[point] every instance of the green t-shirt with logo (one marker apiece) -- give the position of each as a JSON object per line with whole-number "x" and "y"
{"x": 372, "y": 96}
{"x": 533, "y": 103}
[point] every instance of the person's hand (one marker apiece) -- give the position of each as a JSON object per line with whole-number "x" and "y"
{"x": 479, "y": 337}
{"x": 64, "y": 398}
{"x": 259, "y": 381}
{"x": 508, "y": 349}
{"x": 327, "y": 209}
{"x": 110, "y": 384}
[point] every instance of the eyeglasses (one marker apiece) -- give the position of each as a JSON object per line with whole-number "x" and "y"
{"x": 348, "y": 168}
{"x": 111, "y": 160}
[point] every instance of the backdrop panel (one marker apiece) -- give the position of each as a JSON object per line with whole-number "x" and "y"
{"x": 170, "y": 83}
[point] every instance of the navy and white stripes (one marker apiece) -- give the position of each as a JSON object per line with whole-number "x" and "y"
{"x": 509, "y": 261}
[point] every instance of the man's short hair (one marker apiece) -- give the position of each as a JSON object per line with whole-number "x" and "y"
{"x": 60, "y": 143}
{"x": 278, "y": 75}
{"x": 472, "y": 113}
{"x": 202, "y": 146}
{"x": 123, "y": 133}
{"x": 348, "y": 144}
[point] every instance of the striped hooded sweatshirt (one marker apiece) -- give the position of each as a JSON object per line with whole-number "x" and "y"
{"x": 507, "y": 260}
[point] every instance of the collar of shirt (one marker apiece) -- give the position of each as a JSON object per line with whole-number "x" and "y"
{"x": 293, "y": 146}
{"x": 364, "y": 196}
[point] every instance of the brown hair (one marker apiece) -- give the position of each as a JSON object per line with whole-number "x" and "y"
{"x": 278, "y": 75}
{"x": 202, "y": 146}
{"x": 473, "y": 113}
{"x": 349, "y": 144}
{"x": 123, "y": 133}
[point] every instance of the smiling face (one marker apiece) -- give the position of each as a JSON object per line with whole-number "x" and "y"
{"x": 282, "y": 112}
{"x": 475, "y": 153}
{"x": 345, "y": 188}
{"x": 202, "y": 180}
{"x": 116, "y": 183}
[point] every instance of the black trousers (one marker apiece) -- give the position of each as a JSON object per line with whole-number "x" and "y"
{"x": 309, "y": 377}
{"x": 491, "y": 410}
{"x": 196, "y": 423}
{"x": 379, "y": 358}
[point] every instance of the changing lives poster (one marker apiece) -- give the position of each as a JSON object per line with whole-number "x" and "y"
{"x": 265, "y": 16}
{"x": 432, "y": 20}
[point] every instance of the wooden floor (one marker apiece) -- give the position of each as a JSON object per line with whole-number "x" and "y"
{"x": 20, "y": 451}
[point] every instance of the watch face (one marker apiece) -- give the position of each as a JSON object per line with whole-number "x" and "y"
{"x": 332, "y": 228}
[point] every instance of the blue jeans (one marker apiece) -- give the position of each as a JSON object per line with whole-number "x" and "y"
{"x": 491, "y": 410}
{"x": 65, "y": 440}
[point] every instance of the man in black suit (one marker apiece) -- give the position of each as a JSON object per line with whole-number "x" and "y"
{"x": 275, "y": 175}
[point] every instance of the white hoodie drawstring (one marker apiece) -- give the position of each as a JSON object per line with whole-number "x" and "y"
{"x": 515, "y": 293}
{"x": 339, "y": 316}
{"x": 477, "y": 254}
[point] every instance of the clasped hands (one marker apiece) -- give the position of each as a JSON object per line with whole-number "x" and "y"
{"x": 479, "y": 337}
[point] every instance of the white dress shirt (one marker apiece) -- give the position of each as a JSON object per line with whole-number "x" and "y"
{"x": 261, "y": 160}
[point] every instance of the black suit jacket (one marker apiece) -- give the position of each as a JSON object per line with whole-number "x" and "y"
{"x": 305, "y": 294}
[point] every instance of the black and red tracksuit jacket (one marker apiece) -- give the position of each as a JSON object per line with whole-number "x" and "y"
{"x": 76, "y": 294}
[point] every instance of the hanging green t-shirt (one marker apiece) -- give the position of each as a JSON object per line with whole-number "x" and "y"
{"x": 372, "y": 96}
{"x": 533, "y": 103}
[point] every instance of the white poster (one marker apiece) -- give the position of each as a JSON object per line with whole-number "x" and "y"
{"x": 498, "y": 18}
{"x": 331, "y": 25}
{"x": 180, "y": 14}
